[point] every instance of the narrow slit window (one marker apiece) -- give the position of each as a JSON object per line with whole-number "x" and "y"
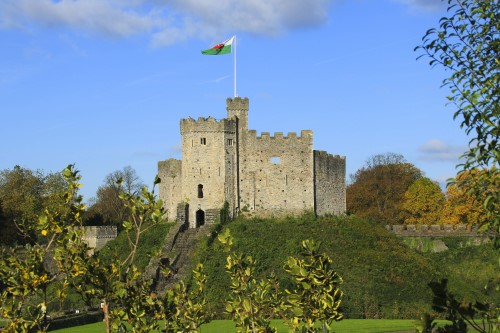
{"x": 203, "y": 141}
{"x": 200, "y": 191}
{"x": 230, "y": 142}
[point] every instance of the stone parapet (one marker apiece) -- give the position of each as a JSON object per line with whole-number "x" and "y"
{"x": 209, "y": 124}
{"x": 435, "y": 230}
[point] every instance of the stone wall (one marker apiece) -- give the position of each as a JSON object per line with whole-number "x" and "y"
{"x": 97, "y": 236}
{"x": 170, "y": 187}
{"x": 329, "y": 183}
{"x": 276, "y": 173}
{"x": 434, "y": 230}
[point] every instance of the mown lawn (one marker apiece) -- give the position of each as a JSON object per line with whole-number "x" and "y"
{"x": 345, "y": 326}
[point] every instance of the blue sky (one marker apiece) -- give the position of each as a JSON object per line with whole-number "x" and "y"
{"x": 103, "y": 83}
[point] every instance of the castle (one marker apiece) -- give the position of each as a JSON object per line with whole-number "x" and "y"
{"x": 224, "y": 161}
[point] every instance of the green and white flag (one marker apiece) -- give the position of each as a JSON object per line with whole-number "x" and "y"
{"x": 222, "y": 48}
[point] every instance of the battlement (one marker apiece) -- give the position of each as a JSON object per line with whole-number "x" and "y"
{"x": 304, "y": 135}
{"x": 96, "y": 237}
{"x": 237, "y": 104}
{"x": 323, "y": 154}
{"x": 434, "y": 230}
{"x": 209, "y": 124}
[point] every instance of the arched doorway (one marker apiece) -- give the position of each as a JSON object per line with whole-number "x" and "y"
{"x": 200, "y": 218}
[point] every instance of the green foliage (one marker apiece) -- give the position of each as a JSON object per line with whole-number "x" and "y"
{"x": 381, "y": 271}
{"x": 252, "y": 302}
{"x": 467, "y": 44}
{"x": 23, "y": 273}
{"x": 23, "y": 195}
{"x": 483, "y": 317}
{"x": 316, "y": 296}
{"x": 118, "y": 284}
{"x": 185, "y": 310}
{"x": 150, "y": 243}
{"x": 469, "y": 270}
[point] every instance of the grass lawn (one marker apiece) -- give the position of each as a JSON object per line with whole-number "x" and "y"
{"x": 347, "y": 326}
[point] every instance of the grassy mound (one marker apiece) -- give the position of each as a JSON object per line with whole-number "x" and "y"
{"x": 383, "y": 278}
{"x": 149, "y": 245}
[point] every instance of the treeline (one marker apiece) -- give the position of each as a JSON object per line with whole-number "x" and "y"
{"x": 25, "y": 193}
{"x": 391, "y": 190}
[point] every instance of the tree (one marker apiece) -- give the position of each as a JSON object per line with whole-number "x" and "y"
{"x": 316, "y": 296}
{"x": 467, "y": 44}
{"x": 23, "y": 273}
{"x": 252, "y": 303}
{"x": 23, "y": 194}
{"x": 377, "y": 189}
{"x": 461, "y": 206}
{"x": 108, "y": 207}
{"x": 423, "y": 202}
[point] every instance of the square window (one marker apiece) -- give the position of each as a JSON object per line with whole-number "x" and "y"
{"x": 275, "y": 160}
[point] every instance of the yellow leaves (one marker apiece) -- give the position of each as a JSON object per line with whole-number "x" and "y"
{"x": 423, "y": 202}
{"x": 44, "y": 232}
{"x": 462, "y": 206}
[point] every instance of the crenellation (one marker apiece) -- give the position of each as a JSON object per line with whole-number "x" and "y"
{"x": 305, "y": 135}
{"x": 209, "y": 124}
{"x": 264, "y": 136}
{"x": 435, "y": 230}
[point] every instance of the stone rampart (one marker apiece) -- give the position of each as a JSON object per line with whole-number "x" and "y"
{"x": 434, "y": 230}
{"x": 97, "y": 236}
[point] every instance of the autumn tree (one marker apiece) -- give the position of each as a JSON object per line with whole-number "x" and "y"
{"x": 423, "y": 202}
{"x": 467, "y": 44}
{"x": 463, "y": 207}
{"x": 377, "y": 189}
{"x": 108, "y": 207}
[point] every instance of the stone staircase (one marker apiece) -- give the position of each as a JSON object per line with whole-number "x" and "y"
{"x": 176, "y": 253}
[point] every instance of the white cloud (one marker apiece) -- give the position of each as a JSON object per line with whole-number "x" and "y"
{"x": 104, "y": 17}
{"x": 425, "y": 4}
{"x": 172, "y": 21}
{"x": 168, "y": 22}
{"x": 437, "y": 150}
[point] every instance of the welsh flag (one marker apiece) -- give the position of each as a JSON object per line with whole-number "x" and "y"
{"x": 222, "y": 48}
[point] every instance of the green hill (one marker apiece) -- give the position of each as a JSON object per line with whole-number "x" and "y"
{"x": 383, "y": 278}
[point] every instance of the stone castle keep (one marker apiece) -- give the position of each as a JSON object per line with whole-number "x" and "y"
{"x": 224, "y": 161}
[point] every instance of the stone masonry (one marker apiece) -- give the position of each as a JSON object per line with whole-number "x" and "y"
{"x": 224, "y": 161}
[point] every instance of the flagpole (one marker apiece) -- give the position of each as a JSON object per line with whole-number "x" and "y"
{"x": 235, "y": 94}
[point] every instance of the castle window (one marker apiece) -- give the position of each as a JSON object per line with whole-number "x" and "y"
{"x": 203, "y": 141}
{"x": 229, "y": 142}
{"x": 200, "y": 191}
{"x": 275, "y": 160}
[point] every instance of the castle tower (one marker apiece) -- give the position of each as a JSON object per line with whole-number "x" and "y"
{"x": 208, "y": 167}
{"x": 238, "y": 107}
